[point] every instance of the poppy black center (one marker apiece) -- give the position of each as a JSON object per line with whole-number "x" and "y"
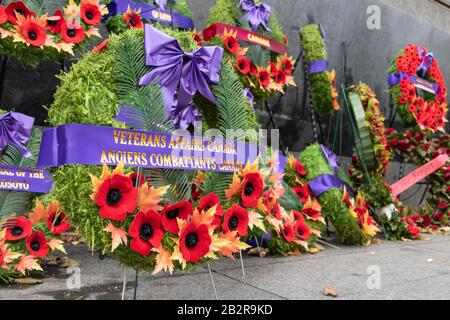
{"x": 20, "y": 11}
{"x": 300, "y": 231}
{"x": 286, "y": 232}
{"x": 191, "y": 240}
{"x": 146, "y": 232}
{"x": 233, "y": 223}
{"x": 71, "y": 33}
{"x": 241, "y": 65}
{"x": 133, "y": 22}
{"x": 249, "y": 189}
{"x": 89, "y": 15}
{"x": 16, "y": 231}
{"x": 51, "y": 23}
{"x": 57, "y": 221}
{"x": 35, "y": 246}
{"x": 114, "y": 196}
{"x": 230, "y": 44}
{"x": 262, "y": 77}
{"x": 173, "y": 213}
{"x": 32, "y": 35}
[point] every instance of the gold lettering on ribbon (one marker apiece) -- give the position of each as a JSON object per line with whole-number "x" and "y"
{"x": 161, "y": 15}
{"x": 259, "y": 40}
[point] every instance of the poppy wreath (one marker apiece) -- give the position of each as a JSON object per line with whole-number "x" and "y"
{"x": 134, "y": 17}
{"x": 28, "y": 239}
{"x": 92, "y": 92}
{"x": 324, "y": 94}
{"x": 261, "y": 70}
{"x": 31, "y": 34}
{"x": 414, "y": 69}
{"x": 369, "y": 122}
{"x": 417, "y": 148}
{"x": 350, "y": 216}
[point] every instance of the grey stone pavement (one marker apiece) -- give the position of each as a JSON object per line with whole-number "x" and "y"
{"x": 408, "y": 270}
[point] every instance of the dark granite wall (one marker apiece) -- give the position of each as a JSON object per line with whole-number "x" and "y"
{"x": 368, "y": 54}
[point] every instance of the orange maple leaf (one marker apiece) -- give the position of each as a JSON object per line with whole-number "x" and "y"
{"x": 39, "y": 213}
{"x": 56, "y": 244}
{"x": 149, "y": 198}
{"x": 27, "y": 263}
{"x": 118, "y": 236}
{"x": 255, "y": 220}
{"x": 235, "y": 187}
{"x": 230, "y": 243}
{"x": 163, "y": 261}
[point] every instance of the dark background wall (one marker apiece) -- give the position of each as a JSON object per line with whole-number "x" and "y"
{"x": 368, "y": 53}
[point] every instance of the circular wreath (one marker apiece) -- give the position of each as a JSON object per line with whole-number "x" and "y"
{"x": 91, "y": 92}
{"x": 369, "y": 123}
{"x": 412, "y": 69}
{"x": 349, "y": 216}
{"x": 33, "y": 31}
{"x": 322, "y": 83}
{"x": 263, "y": 71}
{"x": 132, "y": 19}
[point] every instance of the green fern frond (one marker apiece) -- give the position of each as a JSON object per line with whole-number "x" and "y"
{"x": 217, "y": 182}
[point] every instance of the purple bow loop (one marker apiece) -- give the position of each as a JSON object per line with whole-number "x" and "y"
{"x": 162, "y": 3}
{"x": 426, "y": 61}
{"x": 178, "y": 71}
{"x": 15, "y": 130}
{"x": 256, "y": 14}
{"x": 332, "y": 159}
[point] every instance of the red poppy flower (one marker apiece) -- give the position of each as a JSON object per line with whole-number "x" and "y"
{"x": 90, "y": 12}
{"x": 302, "y": 193}
{"x": 133, "y": 19}
{"x": 58, "y": 223}
{"x": 116, "y": 197}
{"x": 263, "y": 78}
{"x": 73, "y": 34}
{"x": 55, "y": 22}
{"x": 288, "y": 233}
{"x": 286, "y": 65}
{"x": 243, "y": 65}
{"x": 236, "y": 219}
{"x": 209, "y": 201}
{"x": 253, "y": 69}
{"x": 37, "y": 245}
{"x": 231, "y": 44}
{"x": 3, "y": 15}
{"x": 252, "y": 190}
{"x": 197, "y": 39}
{"x": 195, "y": 242}
{"x": 18, "y": 228}
{"x": 135, "y": 177}
{"x": 272, "y": 69}
{"x": 180, "y": 210}
{"x": 300, "y": 168}
{"x": 17, "y": 7}
{"x": 101, "y": 46}
{"x": 312, "y": 213}
{"x": 280, "y": 77}
{"x": 33, "y": 32}
{"x": 302, "y": 230}
{"x": 146, "y": 231}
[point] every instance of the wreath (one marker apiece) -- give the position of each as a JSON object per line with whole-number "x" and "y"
{"x": 262, "y": 69}
{"x": 26, "y": 236}
{"x": 374, "y": 154}
{"x": 324, "y": 179}
{"x": 127, "y": 14}
{"x": 418, "y": 89}
{"x": 33, "y": 31}
{"x": 322, "y": 83}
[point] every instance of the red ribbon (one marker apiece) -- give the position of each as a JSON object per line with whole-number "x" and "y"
{"x": 244, "y": 35}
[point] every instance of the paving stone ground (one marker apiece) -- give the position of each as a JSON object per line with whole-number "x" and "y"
{"x": 406, "y": 270}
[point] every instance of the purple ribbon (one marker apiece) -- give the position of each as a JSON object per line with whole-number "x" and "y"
{"x": 395, "y": 78}
{"x": 318, "y": 66}
{"x": 326, "y": 182}
{"x": 162, "y": 3}
{"x": 250, "y": 97}
{"x": 94, "y": 145}
{"x": 153, "y": 13}
{"x": 15, "y": 130}
{"x": 332, "y": 159}
{"x": 263, "y": 240}
{"x": 256, "y": 14}
{"x": 427, "y": 61}
{"x": 185, "y": 116}
{"x": 25, "y": 179}
{"x": 322, "y": 31}
{"x": 177, "y": 71}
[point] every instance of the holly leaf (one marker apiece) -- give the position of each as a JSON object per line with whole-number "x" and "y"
{"x": 27, "y": 263}
{"x": 56, "y": 244}
{"x": 163, "y": 261}
{"x": 118, "y": 236}
{"x": 149, "y": 198}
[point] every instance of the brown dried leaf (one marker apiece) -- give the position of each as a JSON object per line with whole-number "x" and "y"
{"x": 29, "y": 281}
{"x": 330, "y": 292}
{"x": 66, "y": 263}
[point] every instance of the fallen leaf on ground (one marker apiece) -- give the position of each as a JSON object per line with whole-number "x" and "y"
{"x": 330, "y": 292}
{"x": 27, "y": 281}
{"x": 66, "y": 263}
{"x": 313, "y": 250}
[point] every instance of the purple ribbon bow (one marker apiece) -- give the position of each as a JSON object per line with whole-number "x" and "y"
{"x": 185, "y": 116}
{"x": 162, "y": 3}
{"x": 15, "y": 130}
{"x": 332, "y": 159}
{"x": 256, "y": 14}
{"x": 179, "y": 71}
{"x": 427, "y": 61}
